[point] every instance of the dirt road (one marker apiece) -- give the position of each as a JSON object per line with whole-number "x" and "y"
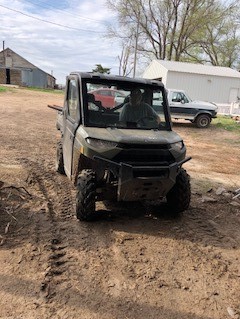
{"x": 134, "y": 262}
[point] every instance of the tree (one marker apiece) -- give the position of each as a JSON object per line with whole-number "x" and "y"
{"x": 100, "y": 69}
{"x": 180, "y": 30}
{"x": 125, "y": 58}
{"x": 221, "y": 42}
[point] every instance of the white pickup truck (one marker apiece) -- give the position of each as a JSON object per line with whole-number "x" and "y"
{"x": 182, "y": 107}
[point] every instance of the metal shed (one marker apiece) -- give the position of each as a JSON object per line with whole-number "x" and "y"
{"x": 202, "y": 82}
{"x": 16, "y": 70}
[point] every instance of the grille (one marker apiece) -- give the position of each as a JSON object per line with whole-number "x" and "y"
{"x": 145, "y": 156}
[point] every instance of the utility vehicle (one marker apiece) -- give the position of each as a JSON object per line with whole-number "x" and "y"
{"x": 108, "y": 159}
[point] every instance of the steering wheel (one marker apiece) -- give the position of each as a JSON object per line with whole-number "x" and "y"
{"x": 147, "y": 120}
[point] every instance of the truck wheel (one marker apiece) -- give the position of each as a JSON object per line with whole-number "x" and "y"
{"x": 203, "y": 121}
{"x": 86, "y": 195}
{"x": 59, "y": 159}
{"x": 179, "y": 196}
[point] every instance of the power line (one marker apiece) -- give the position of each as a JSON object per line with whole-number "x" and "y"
{"x": 51, "y": 7}
{"x": 50, "y": 22}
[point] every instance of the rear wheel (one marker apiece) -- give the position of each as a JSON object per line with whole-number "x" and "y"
{"x": 179, "y": 196}
{"x": 86, "y": 195}
{"x": 203, "y": 120}
{"x": 59, "y": 159}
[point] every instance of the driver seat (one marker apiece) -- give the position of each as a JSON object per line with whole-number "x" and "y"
{"x": 91, "y": 99}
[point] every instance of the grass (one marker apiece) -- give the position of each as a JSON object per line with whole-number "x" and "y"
{"x": 226, "y": 123}
{"x": 3, "y": 89}
{"x": 44, "y": 90}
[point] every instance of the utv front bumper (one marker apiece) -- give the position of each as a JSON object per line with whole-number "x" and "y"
{"x": 136, "y": 183}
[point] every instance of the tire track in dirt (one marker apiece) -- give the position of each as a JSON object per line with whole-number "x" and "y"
{"x": 55, "y": 195}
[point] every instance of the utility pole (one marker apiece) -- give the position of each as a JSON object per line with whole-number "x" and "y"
{"x": 4, "y": 55}
{"x": 135, "y": 51}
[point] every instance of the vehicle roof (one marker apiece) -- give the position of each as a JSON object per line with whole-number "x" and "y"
{"x": 119, "y": 78}
{"x": 176, "y": 90}
{"x": 194, "y": 68}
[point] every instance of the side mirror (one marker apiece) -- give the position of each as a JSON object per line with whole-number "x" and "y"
{"x": 182, "y": 101}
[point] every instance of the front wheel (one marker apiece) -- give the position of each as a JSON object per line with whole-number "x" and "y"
{"x": 86, "y": 195}
{"x": 179, "y": 196}
{"x": 203, "y": 121}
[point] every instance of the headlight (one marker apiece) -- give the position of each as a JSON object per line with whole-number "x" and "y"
{"x": 177, "y": 146}
{"x": 216, "y": 107}
{"x": 101, "y": 144}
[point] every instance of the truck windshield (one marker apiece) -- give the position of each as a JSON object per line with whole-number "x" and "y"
{"x": 125, "y": 105}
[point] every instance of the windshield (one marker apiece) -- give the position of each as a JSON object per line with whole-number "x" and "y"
{"x": 124, "y": 105}
{"x": 178, "y": 96}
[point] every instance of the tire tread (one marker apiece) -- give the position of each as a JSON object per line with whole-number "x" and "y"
{"x": 179, "y": 196}
{"x": 86, "y": 195}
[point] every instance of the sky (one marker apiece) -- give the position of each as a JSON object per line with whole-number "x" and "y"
{"x": 72, "y": 36}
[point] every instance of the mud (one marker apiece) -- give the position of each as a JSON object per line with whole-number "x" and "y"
{"x": 132, "y": 262}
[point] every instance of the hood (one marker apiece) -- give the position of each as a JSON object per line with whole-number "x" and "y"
{"x": 131, "y": 136}
{"x": 204, "y": 105}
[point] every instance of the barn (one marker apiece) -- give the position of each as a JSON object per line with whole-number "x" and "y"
{"x": 16, "y": 70}
{"x": 202, "y": 82}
